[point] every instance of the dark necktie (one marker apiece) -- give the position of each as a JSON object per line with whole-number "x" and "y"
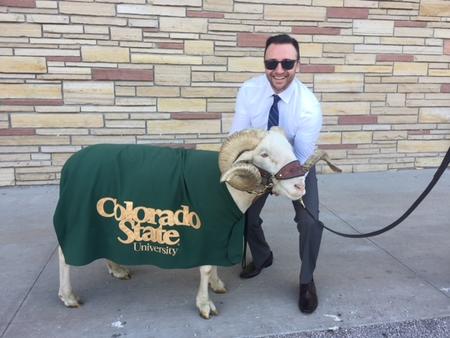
{"x": 273, "y": 114}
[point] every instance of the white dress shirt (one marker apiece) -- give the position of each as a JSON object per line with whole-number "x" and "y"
{"x": 299, "y": 113}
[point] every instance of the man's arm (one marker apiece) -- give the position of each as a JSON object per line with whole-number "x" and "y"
{"x": 308, "y": 133}
{"x": 241, "y": 118}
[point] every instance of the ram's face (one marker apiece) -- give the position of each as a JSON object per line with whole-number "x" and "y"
{"x": 273, "y": 153}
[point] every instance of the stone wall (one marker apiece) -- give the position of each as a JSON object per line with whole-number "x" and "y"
{"x": 74, "y": 73}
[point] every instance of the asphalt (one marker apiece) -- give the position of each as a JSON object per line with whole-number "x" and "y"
{"x": 393, "y": 285}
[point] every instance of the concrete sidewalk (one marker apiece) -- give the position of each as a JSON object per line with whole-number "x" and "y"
{"x": 393, "y": 285}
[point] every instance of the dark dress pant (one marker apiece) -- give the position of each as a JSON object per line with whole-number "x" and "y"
{"x": 309, "y": 231}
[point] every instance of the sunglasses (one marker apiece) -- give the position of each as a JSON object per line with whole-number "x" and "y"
{"x": 287, "y": 64}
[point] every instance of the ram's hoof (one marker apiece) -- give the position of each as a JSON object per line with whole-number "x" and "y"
{"x": 207, "y": 310}
{"x": 70, "y": 301}
{"x": 118, "y": 271}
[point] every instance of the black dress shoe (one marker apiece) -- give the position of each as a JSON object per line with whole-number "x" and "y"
{"x": 307, "y": 300}
{"x": 251, "y": 270}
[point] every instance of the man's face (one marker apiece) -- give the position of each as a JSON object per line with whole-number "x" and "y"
{"x": 280, "y": 78}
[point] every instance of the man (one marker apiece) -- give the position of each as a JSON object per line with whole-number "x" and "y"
{"x": 278, "y": 98}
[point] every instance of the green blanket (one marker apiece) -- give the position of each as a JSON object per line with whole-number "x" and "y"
{"x": 138, "y": 204}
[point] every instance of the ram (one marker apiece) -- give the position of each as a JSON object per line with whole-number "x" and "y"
{"x": 172, "y": 208}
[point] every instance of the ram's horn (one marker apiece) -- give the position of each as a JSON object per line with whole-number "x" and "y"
{"x": 316, "y": 157}
{"x": 243, "y": 176}
{"x": 236, "y": 144}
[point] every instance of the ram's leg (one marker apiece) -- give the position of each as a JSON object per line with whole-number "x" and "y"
{"x": 204, "y": 304}
{"x": 117, "y": 270}
{"x": 215, "y": 282}
{"x": 65, "y": 292}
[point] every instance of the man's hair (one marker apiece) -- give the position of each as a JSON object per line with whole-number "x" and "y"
{"x": 282, "y": 39}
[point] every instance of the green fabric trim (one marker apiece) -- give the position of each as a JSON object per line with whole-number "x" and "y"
{"x": 186, "y": 217}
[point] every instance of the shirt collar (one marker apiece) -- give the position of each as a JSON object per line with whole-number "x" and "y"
{"x": 284, "y": 95}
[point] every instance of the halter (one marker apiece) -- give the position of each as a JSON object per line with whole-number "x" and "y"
{"x": 290, "y": 170}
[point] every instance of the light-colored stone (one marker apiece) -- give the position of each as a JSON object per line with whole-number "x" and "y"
{"x": 181, "y": 105}
{"x": 34, "y": 140}
{"x": 345, "y": 108}
{"x": 330, "y": 138}
{"x": 19, "y": 64}
{"x": 91, "y": 8}
{"x": 158, "y": 91}
{"x": 434, "y": 115}
{"x": 30, "y": 91}
{"x": 105, "y": 54}
{"x": 208, "y": 92}
{"x": 20, "y": 29}
{"x": 6, "y": 177}
{"x": 389, "y": 135}
{"x": 166, "y": 59}
{"x": 356, "y": 137}
{"x": 183, "y": 127}
{"x": 88, "y": 92}
{"x": 56, "y": 120}
{"x": 373, "y": 27}
{"x": 410, "y": 68}
{"x": 246, "y": 64}
{"x": 161, "y": 11}
{"x": 434, "y": 8}
{"x": 185, "y": 25}
{"x": 127, "y": 34}
{"x": 218, "y": 5}
{"x": 338, "y": 83}
{"x": 201, "y": 47}
{"x": 294, "y": 13}
{"x": 172, "y": 75}
{"x": 413, "y": 146}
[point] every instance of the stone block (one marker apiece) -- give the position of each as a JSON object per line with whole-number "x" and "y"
{"x": 208, "y": 92}
{"x": 166, "y": 59}
{"x": 410, "y": 68}
{"x": 434, "y": 115}
{"x": 357, "y": 137}
{"x": 172, "y": 75}
{"x": 90, "y": 8}
{"x": 294, "y": 13}
{"x": 30, "y": 91}
{"x": 330, "y": 138}
{"x": 338, "y": 83}
{"x": 123, "y": 74}
{"x": 423, "y": 146}
{"x": 33, "y": 140}
{"x": 88, "y": 92}
{"x": 434, "y": 8}
{"x": 218, "y": 5}
{"x": 7, "y": 177}
{"x": 162, "y": 11}
{"x": 19, "y": 64}
{"x": 20, "y": 29}
{"x": 158, "y": 91}
{"x": 311, "y": 50}
{"x": 104, "y": 54}
{"x": 183, "y": 127}
{"x": 174, "y": 105}
{"x": 373, "y": 27}
{"x": 245, "y": 64}
{"x": 127, "y": 34}
{"x": 389, "y": 135}
{"x": 345, "y": 108}
{"x": 201, "y": 47}
{"x": 56, "y": 120}
{"x": 185, "y": 25}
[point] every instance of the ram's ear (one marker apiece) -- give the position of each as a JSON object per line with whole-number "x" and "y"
{"x": 242, "y": 176}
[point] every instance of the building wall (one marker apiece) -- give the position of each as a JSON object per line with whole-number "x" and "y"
{"x": 74, "y": 73}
